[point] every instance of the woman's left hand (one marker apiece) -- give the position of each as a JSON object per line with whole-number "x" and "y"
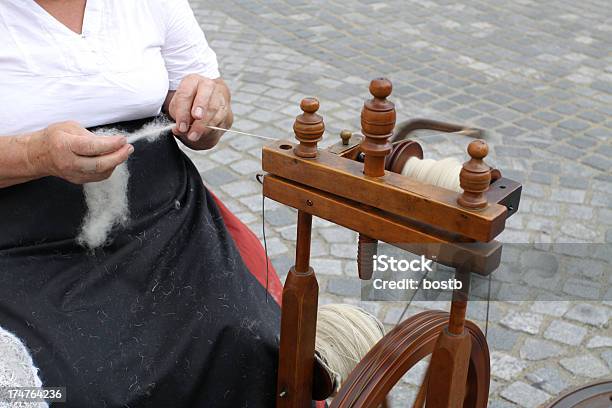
{"x": 197, "y": 103}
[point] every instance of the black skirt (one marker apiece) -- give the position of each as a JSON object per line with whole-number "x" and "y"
{"x": 167, "y": 315}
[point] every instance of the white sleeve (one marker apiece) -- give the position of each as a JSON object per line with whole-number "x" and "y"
{"x": 185, "y": 50}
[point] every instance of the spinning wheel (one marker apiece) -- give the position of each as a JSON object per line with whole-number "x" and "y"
{"x": 356, "y": 184}
{"x": 403, "y": 347}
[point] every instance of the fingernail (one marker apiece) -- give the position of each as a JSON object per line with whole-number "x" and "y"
{"x": 183, "y": 127}
{"x": 193, "y": 136}
{"x": 199, "y": 112}
{"x": 130, "y": 149}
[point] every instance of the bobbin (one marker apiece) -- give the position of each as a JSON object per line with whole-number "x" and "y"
{"x": 401, "y": 152}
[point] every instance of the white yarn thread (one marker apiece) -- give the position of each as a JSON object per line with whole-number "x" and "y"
{"x": 107, "y": 200}
{"x": 442, "y": 173}
{"x": 345, "y": 333}
{"x": 17, "y": 369}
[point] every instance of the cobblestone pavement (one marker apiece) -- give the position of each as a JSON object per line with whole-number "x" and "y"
{"x": 536, "y": 75}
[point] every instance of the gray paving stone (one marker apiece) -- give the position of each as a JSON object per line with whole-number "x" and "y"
{"x": 344, "y": 286}
{"x": 551, "y": 307}
{"x": 281, "y": 216}
{"x": 564, "y": 332}
{"x": 218, "y": 176}
{"x": 506, "y": 366}
{"x": 338, "y": 235}
{"x": 523, "y": 321}
{"x": 225, "y": 156}
{"x": 548, "y": 379}
{"x": 282, "y": 264}
{"x": 536, "y": 349}
{"x": 582, "y": 289}
{"x": 600, "y": 341}
{"x": 575, "y": 182}
{"x": 525, "y": 395}
{"x": 246, "y": 217}
{"x": 501, "y": 339}
{"x": 325, "y": 266}
{"x": 416, "y": 374}
{"x": 499, "y": 403}
{"x": 590, "y": 314}
{"x": 598, "y": 161}
{"x": 568, "y": 195}
{"x": 241, "y": 188}
{"x": 510, "y": 151}
{"x": 276, "y": 247}
{"x": 288, "y": 233}
{"x": 246, "y": 167}
{"x": 585, "y": 365}
{"x": 574, "y": 125}
{"x": 346, "y": 251}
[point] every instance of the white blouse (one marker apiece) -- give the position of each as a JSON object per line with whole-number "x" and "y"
{"x": 130, "y": 53}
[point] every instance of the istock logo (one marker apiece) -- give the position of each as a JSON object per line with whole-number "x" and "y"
{"x": 383, "y": 263}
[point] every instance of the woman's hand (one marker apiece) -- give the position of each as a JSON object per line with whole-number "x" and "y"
{"x": 69, "y": 151}
{"x": 197, "y": 103}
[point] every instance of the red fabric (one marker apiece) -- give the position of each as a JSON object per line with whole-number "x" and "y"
{"x": 254, "y": 256}
{"x": 252, "y": 252}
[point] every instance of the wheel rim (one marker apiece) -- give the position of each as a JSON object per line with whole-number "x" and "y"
{"x": 595, "y": 395}
{"x": 400, "y": 350}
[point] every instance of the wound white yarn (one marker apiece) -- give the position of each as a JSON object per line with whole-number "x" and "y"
{"x": 107, "y": 200}
{"x": 17, "y": 369}
{"x": 442, "y": 173}
{"x": 345, "y": 333}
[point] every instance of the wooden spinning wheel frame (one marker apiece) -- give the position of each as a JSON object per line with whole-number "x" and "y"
{"x": 456, "y": 230}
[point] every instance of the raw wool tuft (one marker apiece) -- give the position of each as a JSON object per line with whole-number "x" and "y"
{"x": 17, "y": 369}
{"x": 107, "y": 207}
{"x": 107, "y": 200}
{"x": 345, "y": 333}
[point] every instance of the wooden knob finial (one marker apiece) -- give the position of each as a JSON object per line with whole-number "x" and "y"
{"x": 475, "y": 177}
{"x": 377, "y": 123}
{"x": 308, "y": 128}
{"x": 346, "y": 135}
{"x": 381, "y": 88}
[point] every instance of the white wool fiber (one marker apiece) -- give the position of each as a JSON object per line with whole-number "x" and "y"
{"x": 107, "y": 200}
{"x": 17, "y": 370}
{"x": 107, "y": 206}
{"x": 345, "y": 334}
{"x": 442, "y": 173}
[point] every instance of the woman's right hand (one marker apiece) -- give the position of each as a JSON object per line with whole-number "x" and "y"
{"x": 71, "y": 152}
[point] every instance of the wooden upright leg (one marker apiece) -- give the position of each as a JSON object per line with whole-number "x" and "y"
{"x": 298, "y": 325}
{"x": 449, "y": 365}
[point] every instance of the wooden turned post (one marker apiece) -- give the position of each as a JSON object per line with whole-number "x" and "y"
{"x": 448, "y": 369}
{"x": 308, "y": 128}
{"x": 377, "y": 124}
{"x": 298, "y": 325}
{"x": 475, "y": 177}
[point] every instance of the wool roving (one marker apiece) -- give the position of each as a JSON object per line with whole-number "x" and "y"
{"x": 107, "y": 200}
{"x": 345, "y": 333}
